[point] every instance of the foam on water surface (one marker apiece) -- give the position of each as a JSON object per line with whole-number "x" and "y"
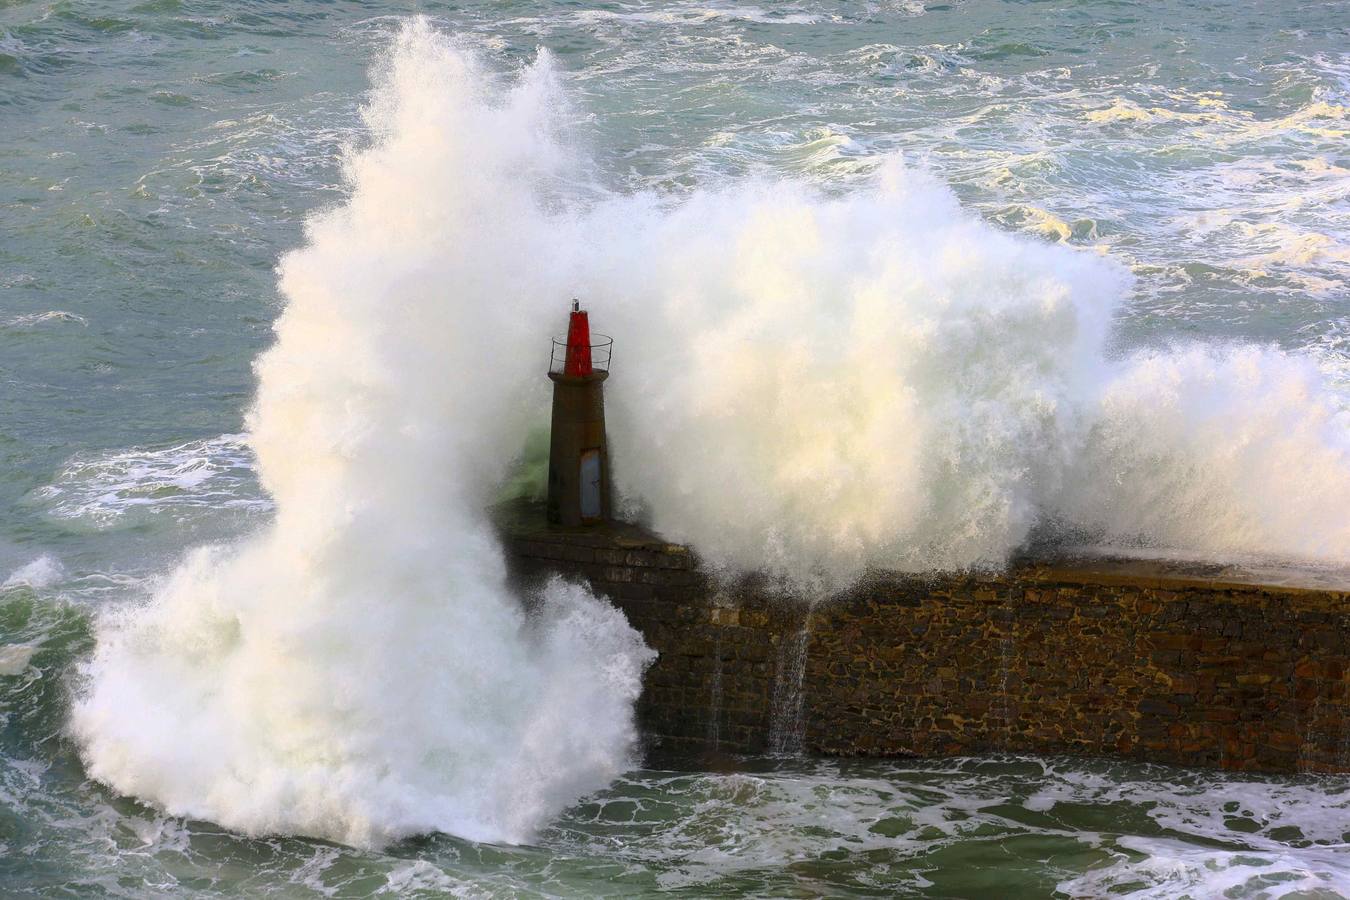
{"x": 32, "y": 320}
{"x": 197, "y": 478}
{"x": 1081, "y": 828}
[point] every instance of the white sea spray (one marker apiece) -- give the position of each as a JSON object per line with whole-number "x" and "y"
{"x": 807, "y": 383}
{"x": 358, "y": 670}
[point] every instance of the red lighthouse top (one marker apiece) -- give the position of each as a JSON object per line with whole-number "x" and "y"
{"x": 583, "y": 355}
{"x": 578, "y": 363}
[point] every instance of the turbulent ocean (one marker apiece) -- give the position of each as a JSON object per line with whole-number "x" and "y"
{"x": 914, "y": 284}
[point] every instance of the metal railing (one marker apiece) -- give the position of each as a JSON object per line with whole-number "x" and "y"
{"x": 602, "y": 350}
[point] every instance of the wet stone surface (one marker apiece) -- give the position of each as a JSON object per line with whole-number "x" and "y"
{"x": 1197, "y": 666}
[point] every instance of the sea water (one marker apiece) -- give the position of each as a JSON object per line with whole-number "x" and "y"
{"x": 927, "y": 281}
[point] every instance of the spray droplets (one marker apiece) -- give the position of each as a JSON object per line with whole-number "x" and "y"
{"x": 359, "y": 671}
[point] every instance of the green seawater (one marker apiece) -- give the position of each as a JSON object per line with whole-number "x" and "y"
{"x": 157, "y": 158}
{"x": 1002, "y": 826}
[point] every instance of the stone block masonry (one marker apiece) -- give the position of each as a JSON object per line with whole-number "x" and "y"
{"x": 1190, "y": 665}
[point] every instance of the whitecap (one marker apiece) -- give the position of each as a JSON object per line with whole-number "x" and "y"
{"x": 33, "y": 319}
{"x": 103, "y": 490}
{"x": 42, "y": 572}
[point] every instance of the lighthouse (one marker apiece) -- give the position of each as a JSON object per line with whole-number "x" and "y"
{"x": 578, "y": 458}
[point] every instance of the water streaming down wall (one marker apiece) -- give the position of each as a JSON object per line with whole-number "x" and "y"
{"x": 1308, "y": 722}
{"x": 1005, "y": 618}
{"x": 714, "y": 734}
{"x": 787, "y": 728}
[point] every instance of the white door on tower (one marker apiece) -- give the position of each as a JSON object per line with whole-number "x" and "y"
{"x": 590, "y": 484}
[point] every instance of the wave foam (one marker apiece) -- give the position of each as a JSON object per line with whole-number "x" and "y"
{"x": 44, "y": 571}
{"x": 110, "y": 489}
{"x": 359, "y": 671}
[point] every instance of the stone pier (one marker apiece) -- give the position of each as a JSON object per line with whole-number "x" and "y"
{"x": 1187, "y": 664}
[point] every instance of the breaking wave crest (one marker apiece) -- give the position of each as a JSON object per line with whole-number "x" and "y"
{"x": 817, "y": 385}
{"x": 359, "y": 670}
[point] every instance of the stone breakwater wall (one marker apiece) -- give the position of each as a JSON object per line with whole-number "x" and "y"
{"x": 1105, "y": 659}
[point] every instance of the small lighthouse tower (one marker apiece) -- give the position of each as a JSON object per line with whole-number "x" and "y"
{"x": 578, "y": 459}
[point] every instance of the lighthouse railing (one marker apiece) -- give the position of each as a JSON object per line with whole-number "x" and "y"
{"x": 602, "y": 349}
